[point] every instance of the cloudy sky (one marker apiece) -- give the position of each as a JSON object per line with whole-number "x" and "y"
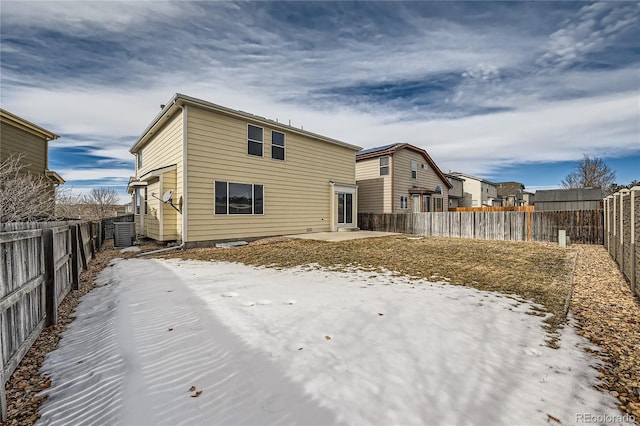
{"x": 502, "y": 90}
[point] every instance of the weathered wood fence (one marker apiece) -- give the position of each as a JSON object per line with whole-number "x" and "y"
{"x": 582, "y": 226}
{"x": 622, "y": 233}
{"x": 40, "y": 262}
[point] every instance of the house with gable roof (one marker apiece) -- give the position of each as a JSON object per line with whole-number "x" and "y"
{"x": 400, "y": 178}
{"x": 207, "y": 173}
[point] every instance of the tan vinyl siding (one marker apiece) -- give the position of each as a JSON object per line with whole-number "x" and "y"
{"x": 170, "y": 217}
{"x": 152, "y": 218}
{"x": 296, "y": 191}
{"x": 17, "y": 141}
{"x": 163, "y": 150}
{"x": 374, "y": 191}
{"x": 426, "y": 179}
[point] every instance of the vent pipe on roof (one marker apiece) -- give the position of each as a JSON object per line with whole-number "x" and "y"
{"x": 162, "y": 106}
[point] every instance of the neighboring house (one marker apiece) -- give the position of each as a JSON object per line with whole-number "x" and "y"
{"x": 478, "y": 192}
{"x": 125, "y": 209}
{"x": 569, "y": 199}
{"x": 208, "y": 173}
{"x": 456, "y": 193}
{"x": 512, "y": 194}
{"x": 19, "y": 137}
{"x": 400, "y": 178}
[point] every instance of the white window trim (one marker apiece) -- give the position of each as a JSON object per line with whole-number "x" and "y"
{"x": 387, "y": 166}
{"x": 255, "y": 141}
{"x": 253, "y": 195}
{"x": 414, "y": 168}
{"x": 284, "y": 145}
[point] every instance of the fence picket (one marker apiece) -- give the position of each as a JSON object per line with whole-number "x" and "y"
{"x": 37, "y": 270}
{"x": 584, "y": 226}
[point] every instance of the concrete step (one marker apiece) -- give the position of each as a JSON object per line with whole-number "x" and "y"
{"x": 348, "y": 229}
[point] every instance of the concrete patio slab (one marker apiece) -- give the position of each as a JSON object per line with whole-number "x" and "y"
{"x": 342, "y": 236}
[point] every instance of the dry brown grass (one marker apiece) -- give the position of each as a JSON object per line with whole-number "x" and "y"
{"x": 540, "y": 272}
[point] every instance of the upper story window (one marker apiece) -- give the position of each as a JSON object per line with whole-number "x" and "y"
{"x": 139, "y": 159}
{"x": 438, "y": 190}
{"x": 277, "y": 145}
{"x": 384, "y": 166}
{"x": 414, "y": 169}
{"x": 254, "y": 140}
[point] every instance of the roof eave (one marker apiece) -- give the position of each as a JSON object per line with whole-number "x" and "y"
{"x": 179, "y": 100}
{"x": 27, "y": 126}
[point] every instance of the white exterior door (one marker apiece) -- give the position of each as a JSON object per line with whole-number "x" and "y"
{"x": 345, "y": 208}
{"x": 415, "y": 200}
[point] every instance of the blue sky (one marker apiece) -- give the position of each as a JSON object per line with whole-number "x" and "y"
{"x": 502, "y": 90}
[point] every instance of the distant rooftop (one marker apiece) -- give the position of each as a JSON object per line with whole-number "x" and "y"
{"x": 464, "y": 175}
{"x": 575, "y": 194}
{"x": 376, "y": 149}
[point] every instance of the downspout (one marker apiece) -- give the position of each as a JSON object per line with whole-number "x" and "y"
{"x": 184, "y": 186}
{"x": 185, "y": 210}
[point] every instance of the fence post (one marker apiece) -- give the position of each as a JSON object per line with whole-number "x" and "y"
{"x": 49, "y": 278}
{"x": 633, "y": 278}
{"x": 3, "y": 396}
{"x": 83, "y": 254}
{"x": 100, "y": 235}
{"x": 75, "y": 273}
{"x": 621, "y": 237}
{"x": 92, "y": 240}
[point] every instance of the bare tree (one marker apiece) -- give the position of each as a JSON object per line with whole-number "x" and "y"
{"x": 68, "y": 204}
{"x": 101, "y": 202}
{"x": 590, "y": 173}
{"x": 24, "y": 196}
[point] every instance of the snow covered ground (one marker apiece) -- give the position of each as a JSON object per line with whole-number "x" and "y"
{"x": 199, "y": 343}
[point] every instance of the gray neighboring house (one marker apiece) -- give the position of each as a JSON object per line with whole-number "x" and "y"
{"x": 456, "y": 193}
{"x": 513, "y": 194}
{"x": 569, "y": 199}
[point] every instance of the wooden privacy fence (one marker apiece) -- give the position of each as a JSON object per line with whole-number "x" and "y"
{"x": 622, "y": 232}
{"x": 582, "y": 226}
{"x": 39, "y": 264}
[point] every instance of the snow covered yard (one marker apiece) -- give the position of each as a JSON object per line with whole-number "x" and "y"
{"x": 192, "y": 342}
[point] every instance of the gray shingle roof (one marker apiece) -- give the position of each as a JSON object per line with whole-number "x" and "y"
{"x": 577, "y": 194}
{"x": 376, "y": 149}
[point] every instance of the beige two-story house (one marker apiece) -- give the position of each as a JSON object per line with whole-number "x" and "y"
{"x": 400, "y": 178}
{"x": 208, "y": 173}
{"x": 478, "y": 192}
{"x": 30, "y": 142}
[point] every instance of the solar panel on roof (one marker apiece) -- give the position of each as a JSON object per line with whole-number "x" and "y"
{"x": 376, "y": 149}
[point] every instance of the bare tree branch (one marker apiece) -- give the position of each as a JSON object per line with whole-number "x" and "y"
{"x": 68, "y": 204}
{"x": 590, "y": 173}
{"x": 101, "y": 202}
{"x": 24, "y": 196}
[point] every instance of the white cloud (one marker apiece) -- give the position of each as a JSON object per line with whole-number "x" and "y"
{"x": 237, "y": 62}
{"x": 594, "y": 26}
{"x": 95, "y": 174}
{"x": 87, "y": 16}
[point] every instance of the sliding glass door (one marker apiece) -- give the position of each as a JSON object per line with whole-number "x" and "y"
{"x": 345, "y": 208}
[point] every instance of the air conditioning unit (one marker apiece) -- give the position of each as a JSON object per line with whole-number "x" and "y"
{"x": 124, "y": 233}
